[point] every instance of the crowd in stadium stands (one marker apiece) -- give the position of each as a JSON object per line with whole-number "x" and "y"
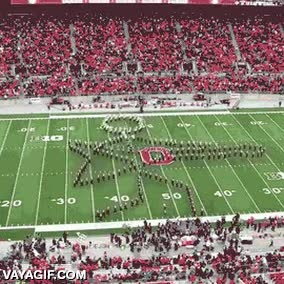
{"x": 100, "y": 85}
{"x": 155, "y": 43}
{"x": 209, "y": 42}
{"x": 227, "y": 265}
{"x": 100, "y": 44}
{"x": 45, "y": 46}
{"x": 163, "y": 85}
{"x": 89, "y": 55}
{"x": 261, "y": 44}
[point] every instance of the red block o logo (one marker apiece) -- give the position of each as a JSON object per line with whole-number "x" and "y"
{"x": 167, "y": 157}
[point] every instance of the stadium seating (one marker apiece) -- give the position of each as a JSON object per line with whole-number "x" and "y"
{"x": 199, "y": 266}
{"x": 155, "y": 43}
{"x": 277, "y": 278}
{"x": 50, "y": 86}
{"x": 164, "y": 85}
{"x": 102, "y": 85}
{"x": 9, "y": 88}
{"x": 90, "y": 55}
{"x": 101, "y": 44}
{"x": 45, "y": 45}
{"x": 208, "y": 41}
{"x": 261, "y": 44}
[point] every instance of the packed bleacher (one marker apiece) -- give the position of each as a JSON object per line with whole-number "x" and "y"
{"x": 209, "y": 42}
{"x": 45, "y": 55}
{"x": 261, "y": 44}
{"x": 193, "y": 251}
{"x": 155, "y": 43}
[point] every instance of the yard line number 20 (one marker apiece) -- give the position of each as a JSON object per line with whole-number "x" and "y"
{"x": 6, "y": 203}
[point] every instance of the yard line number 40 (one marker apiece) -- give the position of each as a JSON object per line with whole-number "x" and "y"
{"x": 225, "y": 193}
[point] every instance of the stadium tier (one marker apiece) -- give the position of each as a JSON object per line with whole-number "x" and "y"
{"x": 46, "y": 55}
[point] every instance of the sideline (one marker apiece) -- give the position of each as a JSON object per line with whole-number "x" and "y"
{"x": 151, "y": 114}
{"x": 133, "y": 224}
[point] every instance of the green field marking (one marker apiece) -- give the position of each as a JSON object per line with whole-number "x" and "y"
{"x": 104, "y": 191}
{"x": 52, "y": 199}
{"x": 149, "y": 215}
{"x": 66, "y": 173}
{"x": 129, "y": 190}
{"x": 34, "y": 170}
{"x": 23, "y": 116}
{"x": 277, "y": 120}
{"x": 198, "y": 196}
{"x": 117, "y": 185}
{"x": 253, "y": 203}
{"x": 4, "y": 130}
{"x": 253, "y": 131}
{"x": 200, "y": 174}
{"x": 198, "y": 203}
{"x": 230, "y": 129}
{"x": 41, "y": 175}
{"x": 17, "y": 175}
{"x": 210, "y": 171}
{"x": 79, "y": 199}
{"x": 16, "y": 234}
{"x": 272, "y": 129}
{"x": 28, "y": 185}
{"x": 158, "y": 191}
{"x": 169, "y": 187}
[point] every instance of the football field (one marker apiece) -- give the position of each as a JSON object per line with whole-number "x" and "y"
{"x": 37, "y": 168}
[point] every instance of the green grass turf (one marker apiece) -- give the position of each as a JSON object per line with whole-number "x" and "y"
{"x": 36, "y": 177}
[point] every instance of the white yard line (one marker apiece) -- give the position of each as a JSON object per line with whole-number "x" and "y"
{"x": 187, "y": 173}
{"x": 275, "y": 122}
{"x": 257, "y": 171}
{"x": 41, "y": 175}
{"x": 66, "y": 173}
{"x": 169, "y": 189}
{"x": 170, "y": 113}
{"x": 142, "y": 183}
{"x": 194, "y": 188}
{"x": 17, "y": 175}
{"x": 145, "y": 114}
{"x": 280, "y": 147}
{"x": 233, "y": 170}
{"x": 91, "y": 173}
{"x": 117, "y": 186}
{"x": 212, "y": 175}
{"x": 5, "y": 137}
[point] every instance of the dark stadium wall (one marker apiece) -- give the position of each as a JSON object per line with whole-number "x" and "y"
{"x": 4, "y": 6}
{"x": 138, "y": 10}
